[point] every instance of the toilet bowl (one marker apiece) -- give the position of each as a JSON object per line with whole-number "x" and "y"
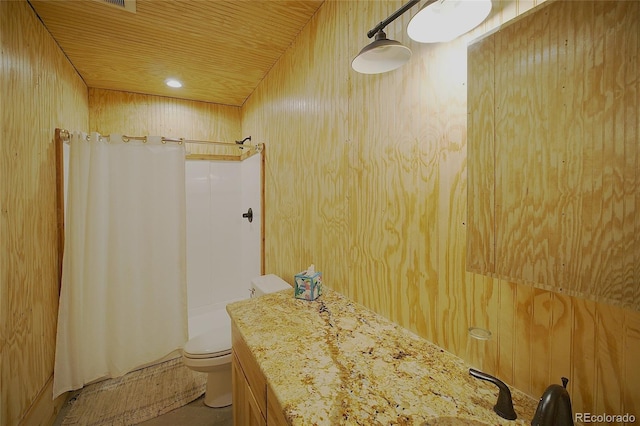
{"x": 210, "y": 352}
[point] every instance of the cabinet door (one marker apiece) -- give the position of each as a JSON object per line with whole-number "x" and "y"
{"x": 275, "y": 413}
{"x": 246, "y": 411}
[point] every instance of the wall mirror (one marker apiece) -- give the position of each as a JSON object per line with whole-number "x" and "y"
{"x": 554, "y": 150}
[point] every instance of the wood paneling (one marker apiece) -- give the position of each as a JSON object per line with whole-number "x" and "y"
{"x": 554, "y": 152}
{"x": 39, "y": 92}
{"x": 366, "y": 176}
{"x": 481, "y": 198}
{"x": 135, "y": 114}
{"x": 220, "y": 50}
{"x": 631, "y": 372}
{"x": 300, "y": 114}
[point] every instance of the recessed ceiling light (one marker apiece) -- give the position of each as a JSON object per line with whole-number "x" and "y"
{"x": 171, "y": 82}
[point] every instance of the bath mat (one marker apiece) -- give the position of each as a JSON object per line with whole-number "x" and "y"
{"x": 136, "y": 397}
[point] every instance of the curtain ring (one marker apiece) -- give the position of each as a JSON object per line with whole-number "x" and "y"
{"x": 125, "y": 139}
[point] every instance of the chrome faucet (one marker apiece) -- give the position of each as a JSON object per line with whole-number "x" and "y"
{"x": 554, "y": 408}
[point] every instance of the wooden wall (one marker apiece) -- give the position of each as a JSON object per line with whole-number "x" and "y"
{"x": 137, "y": 114}
{"x": 366, "y": 178}
{"x": 39, "y": 91}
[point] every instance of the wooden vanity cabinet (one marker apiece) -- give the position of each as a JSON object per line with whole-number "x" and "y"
{"x": 275, "y": 413}
{"x": 245, "y": 407}
{"x": 254, "y": 404}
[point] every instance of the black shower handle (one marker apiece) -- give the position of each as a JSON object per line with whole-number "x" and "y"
{"x": 248, "y": 215}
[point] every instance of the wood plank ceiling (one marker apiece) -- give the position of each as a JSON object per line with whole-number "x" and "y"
{"x": 219, "y": 49}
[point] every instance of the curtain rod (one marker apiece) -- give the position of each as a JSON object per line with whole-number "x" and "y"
{"x": 65, "y": 136}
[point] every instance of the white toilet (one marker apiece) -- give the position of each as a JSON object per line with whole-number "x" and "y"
{"x": 210, "y": 352}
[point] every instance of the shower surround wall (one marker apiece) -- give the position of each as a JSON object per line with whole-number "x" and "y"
{"x": 223, "y": 248}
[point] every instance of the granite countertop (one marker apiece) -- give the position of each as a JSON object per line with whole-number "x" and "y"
{"x": 334, "y": 362}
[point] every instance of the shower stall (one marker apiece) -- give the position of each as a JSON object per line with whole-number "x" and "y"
{"x": 223, "y": 244}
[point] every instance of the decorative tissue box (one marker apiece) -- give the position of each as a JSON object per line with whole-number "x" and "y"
{"x": 308, "y": 284}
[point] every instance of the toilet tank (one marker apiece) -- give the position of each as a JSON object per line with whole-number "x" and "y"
{"x": 265, "y": 284}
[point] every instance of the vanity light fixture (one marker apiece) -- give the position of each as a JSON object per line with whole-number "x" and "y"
{"x": 382, "y": 54}
{"x": 446, "y": 20}
{"x": 437, "y": 21}
{"x": 172, "y": 82}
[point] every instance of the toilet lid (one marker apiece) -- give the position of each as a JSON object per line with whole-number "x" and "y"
{"x": 213, "y": 343}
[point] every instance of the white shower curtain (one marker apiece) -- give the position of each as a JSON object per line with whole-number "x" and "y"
{"x": 123, "y": 298}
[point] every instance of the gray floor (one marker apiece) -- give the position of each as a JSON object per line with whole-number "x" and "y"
{"x": 193, "y": 414}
